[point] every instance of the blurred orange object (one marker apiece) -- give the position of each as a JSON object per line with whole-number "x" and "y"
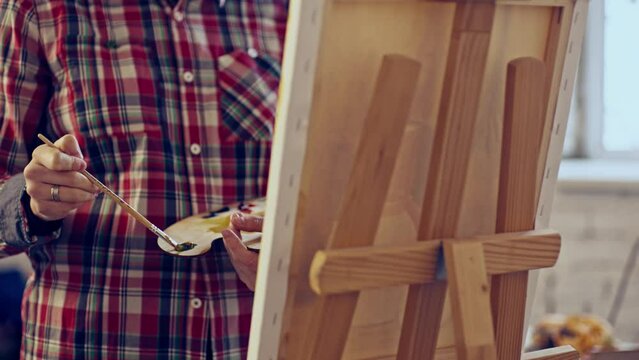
{"x": 586, "y": 333}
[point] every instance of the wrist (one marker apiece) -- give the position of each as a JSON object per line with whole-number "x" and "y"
{"x": 35, "y": 225}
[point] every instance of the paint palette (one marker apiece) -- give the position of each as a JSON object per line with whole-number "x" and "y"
{"x": 203, "y": 229}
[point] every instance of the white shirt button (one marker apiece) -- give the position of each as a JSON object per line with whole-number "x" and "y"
{"x": 178, "y": 16}
{"x": 196, "y": 149}
{"x": 252, "y": 53}
{"x": 196, "y": 303}
{"x": 188, "y": 77}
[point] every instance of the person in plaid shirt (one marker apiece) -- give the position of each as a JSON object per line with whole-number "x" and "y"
{"x": 169, "y": 103}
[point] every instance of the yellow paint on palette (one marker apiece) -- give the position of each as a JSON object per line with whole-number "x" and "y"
{"x": 219, "y": 223}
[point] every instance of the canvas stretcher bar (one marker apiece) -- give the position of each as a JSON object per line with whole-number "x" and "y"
{"x": 289, "y": 147}
{"x": 558, "y": 132}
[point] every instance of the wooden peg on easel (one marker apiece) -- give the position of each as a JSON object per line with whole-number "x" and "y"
{"x": 363, "y": 202}
{"x": 522, "y": 137}
{"x": 470, "y": 300}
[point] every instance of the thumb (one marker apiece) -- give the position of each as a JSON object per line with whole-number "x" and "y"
{"x": 69, "y": 145}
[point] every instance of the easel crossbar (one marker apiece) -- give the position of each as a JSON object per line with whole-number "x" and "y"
{"x": 355, "y": 269}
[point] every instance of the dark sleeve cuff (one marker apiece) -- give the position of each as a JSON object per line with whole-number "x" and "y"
{"x": 19, "y": 227}
{"x": 36, "y": 226}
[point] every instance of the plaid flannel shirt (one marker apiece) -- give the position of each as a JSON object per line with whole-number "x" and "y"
{"x": 173, "y": 105}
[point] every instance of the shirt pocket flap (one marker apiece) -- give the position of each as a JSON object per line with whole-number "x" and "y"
{"x": 248, "y": 95}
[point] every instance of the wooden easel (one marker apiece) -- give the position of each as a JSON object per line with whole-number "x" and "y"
{"x": 349, "y": 184}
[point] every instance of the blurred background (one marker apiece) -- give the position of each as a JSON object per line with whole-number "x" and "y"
{"x": 596, "y": 206}
{"x": 13, "y": 274}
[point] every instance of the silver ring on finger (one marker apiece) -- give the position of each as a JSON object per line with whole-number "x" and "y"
{"x": 55, "y": 193}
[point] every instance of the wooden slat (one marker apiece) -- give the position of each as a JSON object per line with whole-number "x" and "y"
{"x": 482, "y": 187}
{"x": 565, "y": 352}
{"x": 563, "y": 49}
{"x": 347, "y": 66}
{"x": 556, "y": 48}
{"x": 354, "y": 269}
{"x": 285, "y": 174}
{"x": 522, "y": 134}
{"x": 363, "y": 201}
{"x": 470, "y": 300}
{"x": 470, "y": 40}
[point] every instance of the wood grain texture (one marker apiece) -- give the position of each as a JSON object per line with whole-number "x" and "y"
{"x": 470, "y": 40}
{"x": 366, "y": 192}
{"x": 344, "y": 82}
{"x": 482, "y": 184}
{"x": 522, "y": 133}
{"x": 355, "y": 269}
{"x": 565, "y": 352}
{"x": 482, "y": 180}
{"x": 470, "y": 300}
{"x": 522, "y": 136}
{"x": 376, "y": 326}
{"x": 354, "y": 37}
{"x": 364, "y": 199}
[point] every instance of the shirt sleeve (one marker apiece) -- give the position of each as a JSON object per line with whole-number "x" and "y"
{"x": 25, "y": 89}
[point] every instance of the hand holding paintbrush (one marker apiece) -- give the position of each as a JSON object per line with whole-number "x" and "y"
{"x": 53, "y": 181}
{"x": 68, "y": 164}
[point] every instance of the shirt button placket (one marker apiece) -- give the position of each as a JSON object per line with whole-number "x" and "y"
{"x": 186, "y": 82}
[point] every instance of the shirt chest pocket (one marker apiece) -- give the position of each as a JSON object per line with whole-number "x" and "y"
{"x": 248, "y": 85}
{"x": 113, "y": 88}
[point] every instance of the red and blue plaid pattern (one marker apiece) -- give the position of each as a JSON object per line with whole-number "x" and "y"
{"x": 173, "y": 104}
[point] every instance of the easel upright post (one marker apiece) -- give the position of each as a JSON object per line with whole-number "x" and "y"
{"x": 465, "y": 68}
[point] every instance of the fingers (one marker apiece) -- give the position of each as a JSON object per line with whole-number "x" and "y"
{"x": 247, "y": 222}
{"x": 36, "y": 173}
{"x": 244, "y": 261}
{"x": 43, "y": 206}
{"x": 42, "y": 191}
{"x": 59, "y": 166}
{"x": 50, "y": 210}
{"x": 54, "y": 159}
{"x": 236, "y": 249}
{"x": 69, "y": 145}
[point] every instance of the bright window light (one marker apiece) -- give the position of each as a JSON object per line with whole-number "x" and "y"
{"x": 621, "y": 76}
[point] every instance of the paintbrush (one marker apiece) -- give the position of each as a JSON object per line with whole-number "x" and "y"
{"x": 128, "y": 208}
